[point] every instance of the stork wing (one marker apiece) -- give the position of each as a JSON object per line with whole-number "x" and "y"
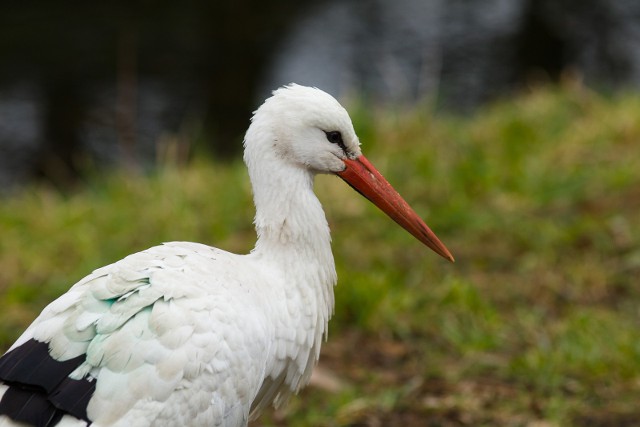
{"x": 142, "y": 338}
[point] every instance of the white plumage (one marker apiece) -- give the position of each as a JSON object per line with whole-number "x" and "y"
{"x": 186, "y": 334}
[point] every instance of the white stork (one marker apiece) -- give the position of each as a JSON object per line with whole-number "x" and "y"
{"x": 184, "y": 334}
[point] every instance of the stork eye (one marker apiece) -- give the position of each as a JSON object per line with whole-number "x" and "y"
{"x": 335, "y": 137}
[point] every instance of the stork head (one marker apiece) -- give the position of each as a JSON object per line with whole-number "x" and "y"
{"x": 309, "y": 129}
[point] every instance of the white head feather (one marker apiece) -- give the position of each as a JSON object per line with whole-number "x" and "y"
{"x": 293, "y": 125}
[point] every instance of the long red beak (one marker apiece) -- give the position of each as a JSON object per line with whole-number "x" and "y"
{"x": 366, "y": 180}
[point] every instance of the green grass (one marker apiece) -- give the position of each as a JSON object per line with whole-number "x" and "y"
{"x": 538, "y": 198}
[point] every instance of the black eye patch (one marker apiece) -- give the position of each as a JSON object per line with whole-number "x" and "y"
{"x": 335, "y": 137}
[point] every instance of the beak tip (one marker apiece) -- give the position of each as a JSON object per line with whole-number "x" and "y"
{"x": 444, "y": 253}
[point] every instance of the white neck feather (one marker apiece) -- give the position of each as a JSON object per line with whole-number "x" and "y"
{"x": 291, "y": 225}
{"x": 289, "y": 219}
{"x": 293, "y": 235}
{"x": 290, "y": 222}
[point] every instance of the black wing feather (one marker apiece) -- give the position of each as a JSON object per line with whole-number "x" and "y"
{"x": 40, "y": 390}
{"x": 72, "y": 396}
{"x": 29, "y": 406}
